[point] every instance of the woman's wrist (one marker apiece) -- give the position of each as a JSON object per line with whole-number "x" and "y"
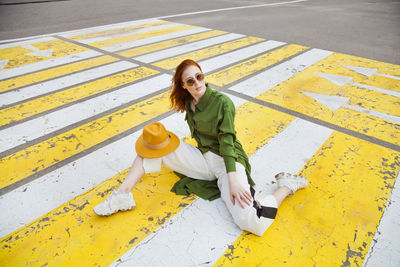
{"x": 232, "y": 177}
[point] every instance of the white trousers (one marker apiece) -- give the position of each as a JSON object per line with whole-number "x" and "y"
{"x": 189, "y": 160}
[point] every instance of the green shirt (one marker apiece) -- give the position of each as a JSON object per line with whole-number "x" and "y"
{"x": 212, "y": 126}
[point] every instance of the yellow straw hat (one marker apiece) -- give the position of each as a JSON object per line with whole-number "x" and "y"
{"x": 156, "y": 141}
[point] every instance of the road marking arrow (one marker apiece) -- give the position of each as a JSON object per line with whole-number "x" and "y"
{"x": 331, "y": 102}
{"x": 335, "y": 102}
{"x": 3, "y": 63}
{"x": 343, "y": 80}
{"x": 37, "y": 52}
{"x": 369, "y": 71}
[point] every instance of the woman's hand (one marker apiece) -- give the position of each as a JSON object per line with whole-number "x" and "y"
{"x": 238, "y": 192}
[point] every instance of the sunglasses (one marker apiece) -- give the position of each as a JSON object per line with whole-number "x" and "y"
{"x": 191, "y": 81}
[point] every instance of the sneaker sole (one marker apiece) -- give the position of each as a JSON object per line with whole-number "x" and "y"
{"x": 284, "y": 175}
{"x": 109, "y": 214}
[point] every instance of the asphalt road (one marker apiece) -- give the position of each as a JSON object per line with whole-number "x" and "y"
{"x": 365, "y": 28}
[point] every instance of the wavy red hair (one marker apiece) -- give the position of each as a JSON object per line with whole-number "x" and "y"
{"x": 178, "y": 93}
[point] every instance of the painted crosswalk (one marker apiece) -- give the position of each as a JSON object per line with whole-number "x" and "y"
{"x": 73, "y": 104}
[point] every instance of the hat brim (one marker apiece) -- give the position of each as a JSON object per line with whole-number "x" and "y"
{"x": 148, "y": 153}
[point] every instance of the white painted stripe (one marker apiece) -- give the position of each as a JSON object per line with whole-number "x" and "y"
{"x": 376, "y": 89}
{"x": 3, "y": 62}
{"x": 232, "y": 8}
{"x": 389, "y": 76}
{"x": 132, "y": 32}
{"x": 377, "y": 114}
{"x": 44, "y": 64}
{"x": 108, "y": 27}
{"x": 28, "y": 42}
{"x": 275, "y": 75}
{"x": 32, "y": 129}
{"x": 84, "y": 31}
{"x": 75, "y": 178}
{"x": 105, "y": 27}
{"x": 385, "y": 247}
{"x": 183, "y": 241}
{"x": 63, "y": 82}
{"x": 238, "y": 55}
{"x": 170, "y": 52}
{"x": 154, "y": 39}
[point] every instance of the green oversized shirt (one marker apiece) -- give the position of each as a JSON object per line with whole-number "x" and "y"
{"x": 212, "y": 126}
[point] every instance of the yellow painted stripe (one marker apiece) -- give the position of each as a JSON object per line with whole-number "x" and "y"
{"x": 44, "y": 75}
{"x": 253, "y": 132}
{"x": 63, "y": 236}
{"x": 31, "y": 160}
{"x": 289, "y": 95}
{"x": 331, "y": 222}
{"x": 17, "y": 56}
{"x": 374, "y": 80}
{"x": 119, "y": 30}
{"x": 248, "y": 67}
{"x": 73, "y": 230}
{"x": 169, "y": 43}
{"x": 207, "y": 52}
{"x": 133, "y": 37}
{"x": 41, "y": 104}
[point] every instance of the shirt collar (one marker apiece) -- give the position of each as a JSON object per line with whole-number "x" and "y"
{"x": 205, "y": 99}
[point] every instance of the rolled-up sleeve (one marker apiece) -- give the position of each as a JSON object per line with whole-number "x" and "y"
{"x": 226, "y": 136}
{"x": 152, "y": 165}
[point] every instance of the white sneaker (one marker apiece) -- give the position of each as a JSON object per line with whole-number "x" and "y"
{"x": 291, "y": 181}
{"x": 114, "y": 203}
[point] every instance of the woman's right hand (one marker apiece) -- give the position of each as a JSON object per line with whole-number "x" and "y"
{"x": 237, "y": 191}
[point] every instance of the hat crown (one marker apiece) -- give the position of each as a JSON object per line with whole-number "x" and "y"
{"x": 155, "y": 133}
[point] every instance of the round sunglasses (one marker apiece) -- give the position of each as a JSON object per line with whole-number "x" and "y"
{"x": 199, "y": 77}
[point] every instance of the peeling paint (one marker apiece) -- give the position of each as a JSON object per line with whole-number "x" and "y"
{"x": 170, "y": 43}
{"x": 32, "y": 78}
{"x": 337, "y": 169}
{"x": 246, "y": 68}
{"x": 357, "y": 121}
{"x": 17, "y": 56}
{"x": 53, "y": 150}
{"x": 207, "y": 52}
{"x": 122, "y": 39}
{"x": 133, "y": 241}
{"x": 48, "y": 102}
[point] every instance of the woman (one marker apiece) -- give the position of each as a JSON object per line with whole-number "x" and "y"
{"x": 219, "y": 155}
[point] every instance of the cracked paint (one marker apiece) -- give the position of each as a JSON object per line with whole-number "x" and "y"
{"x": 17, "y": 56}
{"x": 36, "y": 77}
{"x": 169, "y": 43}
{"x": 78, "y": 216}
{"x": 123, "y": 39}
{"x": 311, "y": 234}
{"x": 289, "y": 94}
{"x": 248, "y": 67}
{"x": 207, "y": 52}
{"x": 48, "y": 102}
{"x": 40, "y": 241}
{"x": 31, "y": 160}
{"x": 64, "y": 233}
{"x": 112, "y": 32}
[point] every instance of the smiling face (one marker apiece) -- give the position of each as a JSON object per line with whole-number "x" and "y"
{"x": 192, "y": 74}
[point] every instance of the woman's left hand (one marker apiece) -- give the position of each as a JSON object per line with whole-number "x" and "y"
{"x": 238, "y": 192}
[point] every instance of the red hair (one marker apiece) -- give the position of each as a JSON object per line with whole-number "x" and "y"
{"x": 178, "y": 93}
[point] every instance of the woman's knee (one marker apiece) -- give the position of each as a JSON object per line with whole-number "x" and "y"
{"x": 258, "y": 226}
{"x": 250, "y": 221}
{"x": 243, "y": 217}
